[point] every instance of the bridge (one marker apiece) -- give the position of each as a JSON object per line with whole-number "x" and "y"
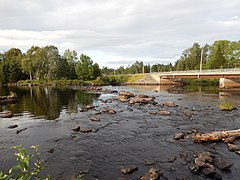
{"x": 227, "y": 77}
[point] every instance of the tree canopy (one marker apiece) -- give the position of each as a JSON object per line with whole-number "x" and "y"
{"x": 47, "y": 63}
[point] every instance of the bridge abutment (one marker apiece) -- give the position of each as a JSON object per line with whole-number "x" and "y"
{"x": 229, "y": 83}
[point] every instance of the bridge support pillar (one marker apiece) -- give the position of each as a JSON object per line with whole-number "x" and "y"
{"x": 229, "y": 83}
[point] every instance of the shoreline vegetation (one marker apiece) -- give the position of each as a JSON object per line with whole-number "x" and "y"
{"x": 105, "y": 81}
{"x": 42, "y": 65}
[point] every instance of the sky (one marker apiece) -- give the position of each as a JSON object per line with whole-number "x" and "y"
{"x": 118, "y": 32}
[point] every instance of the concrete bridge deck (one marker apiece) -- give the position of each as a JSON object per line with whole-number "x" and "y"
{"x": 227, "y": 77}
{"x": 213, "y": 73}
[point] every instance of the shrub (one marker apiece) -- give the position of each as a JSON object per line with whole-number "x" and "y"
{"x": 21, "y": 171}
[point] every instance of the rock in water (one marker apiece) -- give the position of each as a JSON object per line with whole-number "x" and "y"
{"x": 13, "y": 126}
{"x": 152, "y": 174}
{"x": 129, "y": 170}
{"x": 164, "y": 113}
{"x": 221, "y": 163}
{"x": 77, "y": 128}
{"x": 179, "y": 136}
{"x": 232, "y": 147}
{"x": 169, "y": 104}
{"x": 94, "y": 119}
{"x": 85, "y": 130}
{"x": 89, "y": 107}
{"x": 6, "y": 115}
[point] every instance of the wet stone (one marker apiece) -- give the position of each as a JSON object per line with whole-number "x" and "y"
{"x": 13, "y": 126}
{"x": 164, "y": 113}
{"x": 172, "y": 158}
{"x": 153, "y": 112}
{"x": 229, "y": 140}
{"x": 51, "y": 150}
{"x": 194, "y": 168}
{"x": 6, "y": 115}
{"x": 232, "y": 147}
{"x": 149, "y": 162}
{"x": 209, "y": 170}
{"x": 169, "y": 104}
{"x": 221, "y": 163}
{"x": 89, "y": 107}
{"x": 76, "y": 129}
{"x": 85, "y": 130}
{"x": 152, "y": 174}
{"x": 188, "y": 114}
{"x": 94, "y": 119}
{"x": 179, "y": 136}
{"x": 97, "y": 113}
{"x": 128, "y": 94}
{"x": 237, "y": 152}
{"x": 129, "y": 170}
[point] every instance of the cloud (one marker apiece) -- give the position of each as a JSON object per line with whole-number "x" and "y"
{"x": 121, "y": 30}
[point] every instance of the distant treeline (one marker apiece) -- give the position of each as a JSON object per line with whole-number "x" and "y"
{"x": 45, "y": 63}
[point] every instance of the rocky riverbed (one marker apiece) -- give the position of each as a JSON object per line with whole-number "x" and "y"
{"x": 130, "y": 135}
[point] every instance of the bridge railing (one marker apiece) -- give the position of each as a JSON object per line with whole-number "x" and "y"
{"x": 199, "y": 71}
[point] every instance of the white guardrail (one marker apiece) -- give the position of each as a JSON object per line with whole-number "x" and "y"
{"x": 210, "y": 71}
{"x": 200, "y": 71}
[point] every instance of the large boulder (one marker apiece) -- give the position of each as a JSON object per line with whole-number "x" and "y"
{"x": 124, "y": 93}
{"x": 142, "y": 99}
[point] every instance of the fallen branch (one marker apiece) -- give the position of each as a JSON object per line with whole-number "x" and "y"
{"x": 217, "y": 135}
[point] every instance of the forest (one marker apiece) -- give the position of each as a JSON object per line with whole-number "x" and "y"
{"x": 47, "y": 63}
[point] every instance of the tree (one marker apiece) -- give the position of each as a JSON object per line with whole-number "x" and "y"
{"x": 71, "y": 58}
{"x": 29, "y": 62}
{"x": 12, "y": 64}
{"x": 96, "y": 70}
{"x": 107, "y": 71}
{"x": 84, "y": 68}
{"x": 217, "y": 60}
{"x": 51, "y": 57}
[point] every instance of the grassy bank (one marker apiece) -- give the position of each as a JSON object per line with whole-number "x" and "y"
{"x": 100, "y": 81}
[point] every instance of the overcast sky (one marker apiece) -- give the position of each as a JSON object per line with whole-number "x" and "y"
{"x": 118, "y": 32}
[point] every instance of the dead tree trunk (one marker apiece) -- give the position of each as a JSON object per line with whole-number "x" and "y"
{"x": 217, "y": 135}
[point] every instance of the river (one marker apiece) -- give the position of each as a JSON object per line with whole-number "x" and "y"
{"x": 129, "y": 137}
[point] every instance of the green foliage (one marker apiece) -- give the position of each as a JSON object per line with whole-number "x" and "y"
{"x": 85, "y": 68}
{"x": 226, "y": 106}
{"x": 221, "y": 54}
{"x": 11, "y": 65}
{"x": 41, "y": 63}
{"x": 22, "y": 170}
{"x": 217, "y": 59}
{"x": 161, "y": 67}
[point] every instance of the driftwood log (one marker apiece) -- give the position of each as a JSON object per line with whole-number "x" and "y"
{"x": 217, "y": 135}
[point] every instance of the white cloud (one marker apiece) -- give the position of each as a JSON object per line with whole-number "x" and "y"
{"x": 114, "y": 31}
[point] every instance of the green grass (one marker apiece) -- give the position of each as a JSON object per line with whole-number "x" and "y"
{"x": 226, "y": 106}
{"x": 134, "y": 78}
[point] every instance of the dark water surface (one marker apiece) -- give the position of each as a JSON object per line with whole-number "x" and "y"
{"x": 129, "y": 137}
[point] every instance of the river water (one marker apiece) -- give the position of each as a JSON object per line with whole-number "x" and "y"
{"x": 129, "y": 137}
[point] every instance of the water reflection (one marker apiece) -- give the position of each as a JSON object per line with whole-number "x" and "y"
{"x": 47, "y": 102}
